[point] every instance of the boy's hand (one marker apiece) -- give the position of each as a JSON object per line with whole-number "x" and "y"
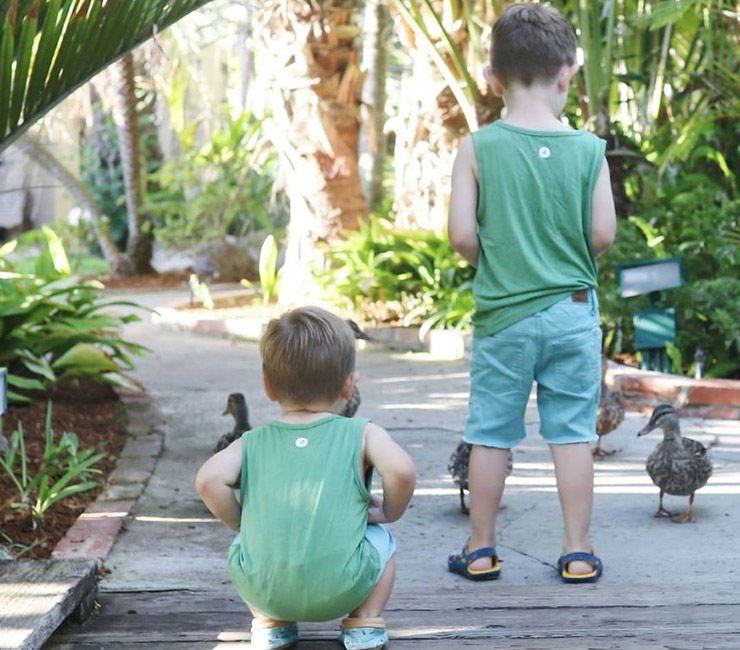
{"x": 375, "y": 514}
{"x": 395, "y": 468}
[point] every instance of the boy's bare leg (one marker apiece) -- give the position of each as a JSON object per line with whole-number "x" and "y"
{"x": 574, "y": 472}
{"x": 375, "y": 604}
{"x": 486, "y": 477}
{"x": 266, "y": 621}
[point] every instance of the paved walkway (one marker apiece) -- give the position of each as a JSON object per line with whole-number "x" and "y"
{"x": 665, "y": 585}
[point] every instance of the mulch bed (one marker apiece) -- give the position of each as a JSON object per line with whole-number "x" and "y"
{"x": 146, "y": 282}
{"x": 93, "y": 412}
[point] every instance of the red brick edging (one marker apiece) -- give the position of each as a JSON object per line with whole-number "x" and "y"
{"x": 93, "y": 534}
{"x": 702, "y": 398}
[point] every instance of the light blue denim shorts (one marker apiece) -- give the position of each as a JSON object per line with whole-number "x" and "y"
{"x": 559, "y": 348}
{"x": 383, "y": 542}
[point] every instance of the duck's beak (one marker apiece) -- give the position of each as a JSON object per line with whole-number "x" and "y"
{"x": 645, "y": 430}
{"x": 226, "y": 410}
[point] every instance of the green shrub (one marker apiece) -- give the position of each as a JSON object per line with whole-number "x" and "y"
{"x": 223, "y": 188}
{"x": 54, "y": 328}
{"x": 409, "y": 276}
{"x": 693, "y": 218}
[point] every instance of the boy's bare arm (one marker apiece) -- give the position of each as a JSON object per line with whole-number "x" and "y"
{"x": 216, "y": 481}
{"x": 603, "y": 215}
{"x": 462, "y": 223}
{"x": 395, "y": 468}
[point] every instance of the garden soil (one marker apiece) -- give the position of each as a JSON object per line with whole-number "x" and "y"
{"x": 96, "y": 415}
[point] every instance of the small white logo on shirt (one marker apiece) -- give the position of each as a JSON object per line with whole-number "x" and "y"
{"x": 544, "y": 152}
{"x": 301, "y": 442}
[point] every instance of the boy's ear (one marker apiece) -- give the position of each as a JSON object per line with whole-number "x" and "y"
{"x": 566, "y": 74}
{"x": 493, "y": 81}
{"x": 349, "y": 385}
{"x": 268, "y": 389}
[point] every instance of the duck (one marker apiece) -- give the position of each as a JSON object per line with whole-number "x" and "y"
{"x": 678, "y": 465}
{"x": 236, "y": 406}
{"x": 610, "y": 413}
{"x": 349, "y": 409}
{"x": 458, "y": 468}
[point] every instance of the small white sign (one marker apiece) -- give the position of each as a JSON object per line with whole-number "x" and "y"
{"x": 650, "y": 277}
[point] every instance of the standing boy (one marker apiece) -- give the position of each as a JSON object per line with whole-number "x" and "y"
{"x": 310, "y": 545}
{"x": 531, "y": 208}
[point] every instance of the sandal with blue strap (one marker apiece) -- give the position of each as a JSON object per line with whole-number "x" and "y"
{"x": 575, "y": 578}
{"x": 460, "y": 563}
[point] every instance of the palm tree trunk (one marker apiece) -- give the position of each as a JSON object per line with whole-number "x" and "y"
{"x": 43, "y": 157}
{"x": 311, "y": 83}
{"x": 375, "y": 60}
{"x": 139, "y": 246}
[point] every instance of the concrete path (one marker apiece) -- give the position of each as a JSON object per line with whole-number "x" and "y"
{"x": 173, "y": 543}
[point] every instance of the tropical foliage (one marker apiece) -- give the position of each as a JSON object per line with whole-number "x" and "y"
{"x": 224, "y": 187}
{"x": 409, "y": 277}
{"x": 55, "y": 328}
{"x": 48, "y": 48}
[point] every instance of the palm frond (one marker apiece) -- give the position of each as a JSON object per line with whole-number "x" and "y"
{"x": 49, "y": 48}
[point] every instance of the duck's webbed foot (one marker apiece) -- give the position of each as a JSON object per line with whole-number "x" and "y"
{"x": 688, "y": 515}
{"x": 463, "y": 506}
{"x": 662, "y": 512}
{"x": 598, "y": 452}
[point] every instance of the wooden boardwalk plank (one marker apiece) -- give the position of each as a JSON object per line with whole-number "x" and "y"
{"x": 616, "y": 620}
{"x": 37, "y": 595}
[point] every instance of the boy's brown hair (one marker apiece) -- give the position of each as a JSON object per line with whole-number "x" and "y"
{"x": 307, "y": 355}
{"x": 531, "y": 42}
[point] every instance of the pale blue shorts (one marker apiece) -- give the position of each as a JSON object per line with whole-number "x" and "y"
{"x": 383, "y": 542}
{"x": 560, "y": 349}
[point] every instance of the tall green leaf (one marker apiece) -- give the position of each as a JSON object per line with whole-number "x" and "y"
{"x": 49, "y": 48}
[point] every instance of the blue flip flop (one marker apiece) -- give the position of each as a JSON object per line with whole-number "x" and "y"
{"x": 460, "y": 563}
{"x": 574, "y": 578}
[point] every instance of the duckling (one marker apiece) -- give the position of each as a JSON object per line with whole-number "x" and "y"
{"x": 236, "y": 406}
{"x": 610, "y": 413}
{"x": 678, "y": 465}
{"x": 458, "y": 467}
{"x": 353, "y": 403}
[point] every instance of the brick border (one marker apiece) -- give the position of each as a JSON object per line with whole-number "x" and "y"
{"x": 92, "y": 536}
{"x": 701, "y": 398}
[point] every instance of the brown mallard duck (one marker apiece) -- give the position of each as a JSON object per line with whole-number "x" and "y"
{"x": 610, "y": 413}
{"x": 458, "y": 468}
{"x": 678, "y": 465}
{"x": 236, "y": 406}
{"x": 350, "y": 408}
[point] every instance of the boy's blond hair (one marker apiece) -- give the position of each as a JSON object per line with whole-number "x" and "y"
{"x": 307, "y": 355}
{"x": 531, "y": 42}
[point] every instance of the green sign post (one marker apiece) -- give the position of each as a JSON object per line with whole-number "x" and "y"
{"x": 654, "y": 327}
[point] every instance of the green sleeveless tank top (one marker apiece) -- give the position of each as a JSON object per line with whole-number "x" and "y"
{"x": 301, "y": 552}
{"x": 534, "y": 220}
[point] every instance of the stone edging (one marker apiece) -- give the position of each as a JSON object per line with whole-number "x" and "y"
{"x": 92, "y": 536}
